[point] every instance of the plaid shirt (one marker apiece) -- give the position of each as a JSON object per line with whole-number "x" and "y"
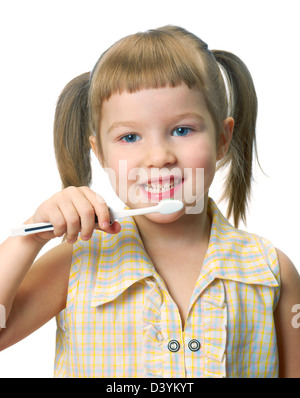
{"x": 120, "y": 320}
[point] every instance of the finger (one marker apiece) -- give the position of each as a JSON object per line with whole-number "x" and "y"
{"x": 114, "y": 228}
{"x": 100, "y": 208}
{"x": 72, "y": 220}
{"x": 81, "y": 216}
{"x": 54, "y": 216}
{"x": 102, "y": 212}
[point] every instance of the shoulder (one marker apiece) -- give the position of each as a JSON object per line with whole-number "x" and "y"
{"x": 290, "y": 282}
{"x": 288, "y": 271}
{"x": 259, "y": 251}
{"x": 286, "y": 321}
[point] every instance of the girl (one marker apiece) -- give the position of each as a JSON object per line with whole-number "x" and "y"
{"x": 178, "y": 295}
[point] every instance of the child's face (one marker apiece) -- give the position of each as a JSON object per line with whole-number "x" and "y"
{"x": 162, "y": 136}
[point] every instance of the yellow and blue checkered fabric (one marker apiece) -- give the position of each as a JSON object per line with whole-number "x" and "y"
{"x": 120, "y": 320}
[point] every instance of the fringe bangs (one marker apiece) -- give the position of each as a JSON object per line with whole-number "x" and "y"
{"x": 154, "y": 59}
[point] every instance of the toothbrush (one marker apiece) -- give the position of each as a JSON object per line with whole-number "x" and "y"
{"x": 166, "y": 206}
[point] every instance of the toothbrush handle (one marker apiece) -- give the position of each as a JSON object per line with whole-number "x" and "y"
{"x": 28, "y": 229}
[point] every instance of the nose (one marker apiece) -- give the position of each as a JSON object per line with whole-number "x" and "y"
{"x": 159, "y": 155}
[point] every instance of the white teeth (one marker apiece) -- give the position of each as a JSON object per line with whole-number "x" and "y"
{"x": 159, "y": 188}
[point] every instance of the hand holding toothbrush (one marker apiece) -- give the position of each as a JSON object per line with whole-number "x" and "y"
{"x": 75, "y": 210}
{"x": 69, "y": 212}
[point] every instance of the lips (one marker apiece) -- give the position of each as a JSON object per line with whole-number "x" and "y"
{"x": 162, "y": 187}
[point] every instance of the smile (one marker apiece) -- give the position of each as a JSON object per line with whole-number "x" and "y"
{"x": 162, "y": 188}
{"x": 159, "y": 188}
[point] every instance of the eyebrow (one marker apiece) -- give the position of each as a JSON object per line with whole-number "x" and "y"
{"x": 130, "y": 124}
{"x": 133, "y": 124}
{"x": 189, "y": 115}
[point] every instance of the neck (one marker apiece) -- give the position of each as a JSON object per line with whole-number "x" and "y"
{"x": 188, "y": 229}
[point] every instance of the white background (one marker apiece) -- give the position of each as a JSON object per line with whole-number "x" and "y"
{"x": 44, "y": 44}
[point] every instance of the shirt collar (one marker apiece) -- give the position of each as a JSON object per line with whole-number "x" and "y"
{"x": 123, "y": 262}
{"x": 235, "y": 255}
{"x": 232, "y": 254}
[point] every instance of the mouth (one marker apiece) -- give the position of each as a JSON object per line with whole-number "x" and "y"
{"x": 162, "y": 188}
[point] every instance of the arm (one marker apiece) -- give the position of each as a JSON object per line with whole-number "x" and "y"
{"x": 33, "y": 293}
{"x": 287, "y": 329}
{"x": 41, "y": 294}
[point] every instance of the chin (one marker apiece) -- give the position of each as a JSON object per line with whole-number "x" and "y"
{"x": 164, "y": 218}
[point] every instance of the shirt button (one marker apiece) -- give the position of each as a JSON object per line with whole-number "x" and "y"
{"x": 194, "y": 345}
{"x": 173, "y": 345}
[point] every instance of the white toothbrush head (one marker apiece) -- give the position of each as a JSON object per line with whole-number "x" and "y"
{"x": 168, "y": 206}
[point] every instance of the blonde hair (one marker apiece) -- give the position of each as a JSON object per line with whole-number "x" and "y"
{"x": 168, "y": 56}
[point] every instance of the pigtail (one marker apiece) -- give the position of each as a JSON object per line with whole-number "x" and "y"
{"x": 243, "y": 108}
{"x": 71, "y": 133}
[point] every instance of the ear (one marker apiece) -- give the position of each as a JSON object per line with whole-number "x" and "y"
{"x": 95, "y": 149}
{"x": 225, "y": 137}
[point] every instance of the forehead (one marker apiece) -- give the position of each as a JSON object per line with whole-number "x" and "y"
{"x": 165, "y": 100}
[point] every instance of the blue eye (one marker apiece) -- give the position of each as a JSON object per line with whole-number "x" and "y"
{"x": 181, "y": 131}
{"x": 130, "y": 138}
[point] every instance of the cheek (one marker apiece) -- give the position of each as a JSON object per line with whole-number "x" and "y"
{"x": 203, "y": 157}
{"x": 118, "y": 170}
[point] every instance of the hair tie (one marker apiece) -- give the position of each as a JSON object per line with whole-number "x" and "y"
{"x": 227, "y": 85}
